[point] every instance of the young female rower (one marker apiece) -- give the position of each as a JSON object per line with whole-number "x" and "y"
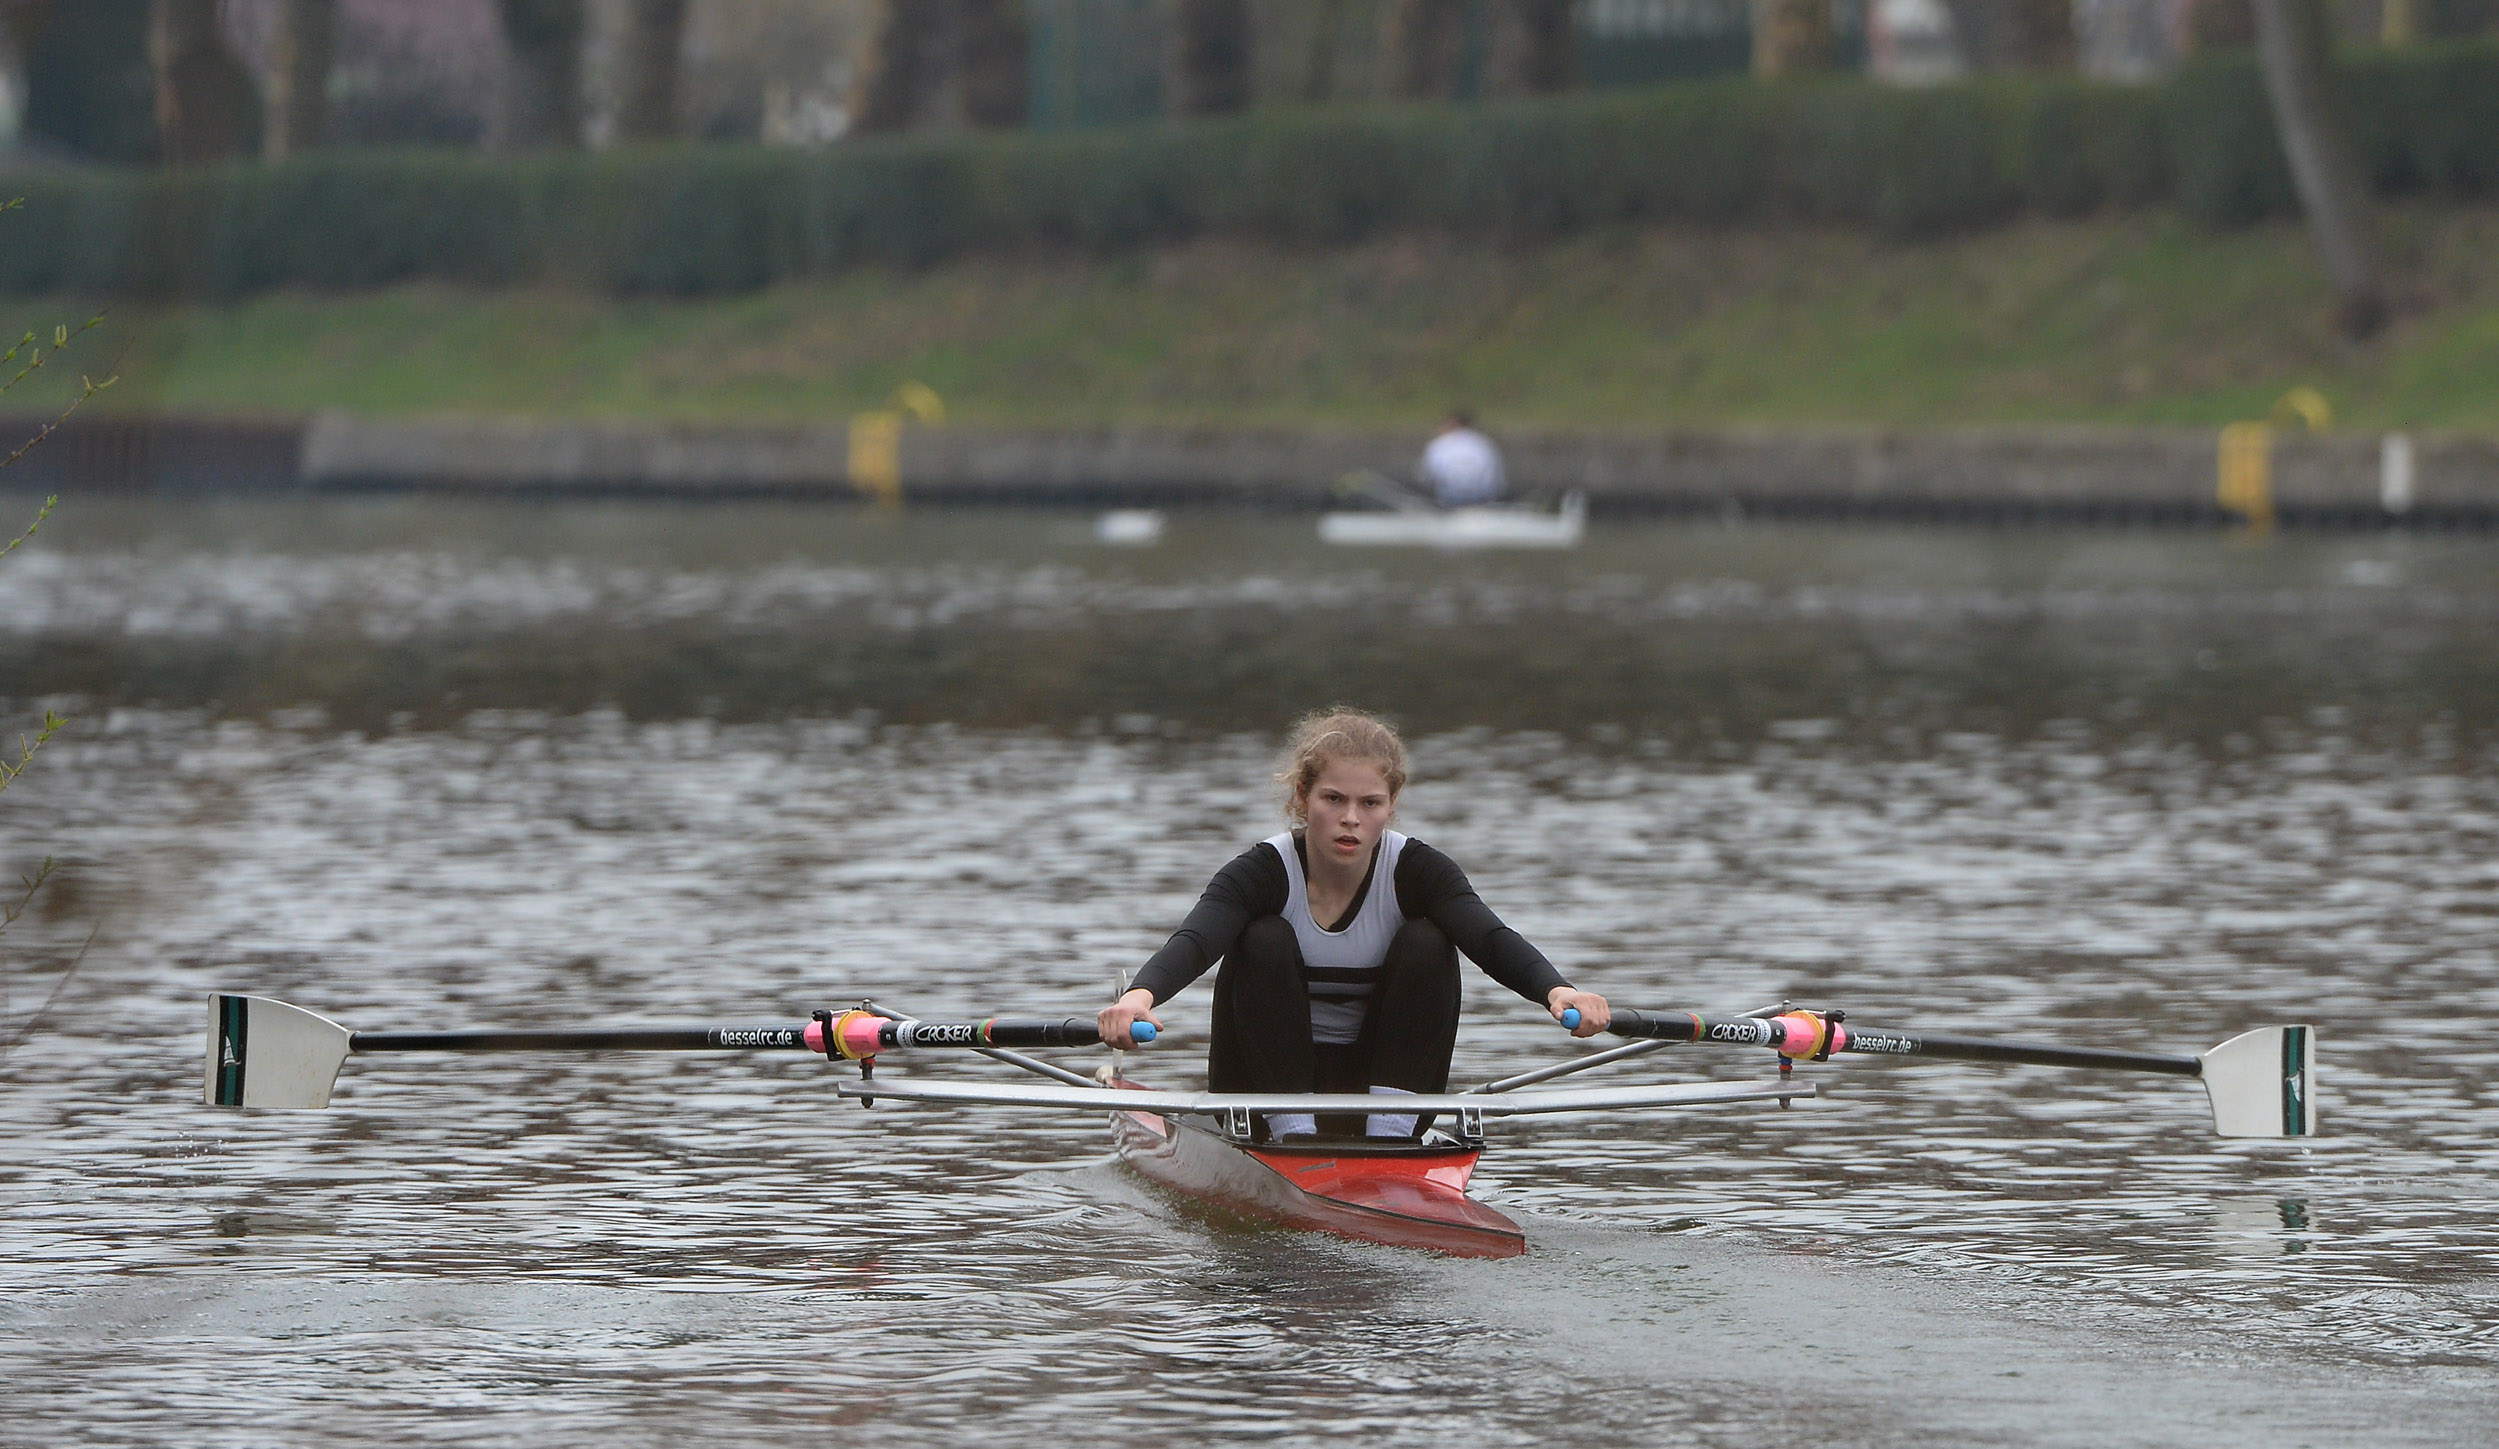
{"x": 1339, "y": 942}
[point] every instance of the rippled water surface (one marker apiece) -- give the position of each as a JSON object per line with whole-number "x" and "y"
{"x": 413, "y": 765}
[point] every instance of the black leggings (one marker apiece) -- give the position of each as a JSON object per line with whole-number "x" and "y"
{"x": 1262, "y": 1020}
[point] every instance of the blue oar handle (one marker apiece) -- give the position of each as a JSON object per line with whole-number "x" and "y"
{"x": 1141, "y": 1032}
{"x": 1570, "y": 1018}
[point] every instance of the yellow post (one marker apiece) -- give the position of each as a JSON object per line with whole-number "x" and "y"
{"x": 2246, "y": 486}
{"x": 876, "y": 441}
{"x": 876, "y": 456}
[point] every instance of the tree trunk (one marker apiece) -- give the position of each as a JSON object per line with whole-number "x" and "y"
{"x": 83, "y": 66}
{"x": 993, "y": 55}
{"x": 1534, "y": 50}
{"x": 542, "y": 73}
{"x": 297, "y": 116}
{"x": 1210, "y": 57}
{"x": 897, "y": 85}
{"x": 1422, "y": 38}
{"x": 2044, "y": 33}
{"x": 203, "y": 94}
{"x": 2294, "y": 42}
{"x": 24, "y": 24}
{"x": 1791, "y": 36}
{"x": 654, "y": 40}
{"x": 2216, "y": 25}
{"x": 1323, "y": 55}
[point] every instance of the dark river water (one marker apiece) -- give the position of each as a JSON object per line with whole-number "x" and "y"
{"x": 413, "y": 764}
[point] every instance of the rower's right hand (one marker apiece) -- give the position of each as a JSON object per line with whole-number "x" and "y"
{"x": 1116, "y": 1018}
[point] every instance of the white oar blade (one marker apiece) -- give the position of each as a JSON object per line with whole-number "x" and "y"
{"x": 2263, "y": 1083}
{"x": 264, "y": 1053}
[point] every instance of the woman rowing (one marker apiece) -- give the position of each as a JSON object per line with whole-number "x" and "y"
{"x": 1339, "y": 942}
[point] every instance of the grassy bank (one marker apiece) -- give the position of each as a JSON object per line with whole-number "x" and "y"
{"x": 2129, "y": 320}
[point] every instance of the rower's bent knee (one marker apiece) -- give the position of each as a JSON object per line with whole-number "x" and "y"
{"x": 1267, "y": 939}
{"x": 1267, "y": 957}
{"x": 1421, "y": 941}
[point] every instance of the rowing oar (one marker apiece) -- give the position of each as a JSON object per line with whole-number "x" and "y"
{"x": 2261, "y": 1082}
{"x": 266, "y": 1053}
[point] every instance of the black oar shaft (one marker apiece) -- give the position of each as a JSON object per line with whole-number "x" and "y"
{"x": 652, "y": 1039}
{"x": 2037, "y": 1054}
{"x": 879, "y": 1033}
{"x": 1767, "y": 1032}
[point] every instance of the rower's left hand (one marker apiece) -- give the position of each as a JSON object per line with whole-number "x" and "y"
{"x": 1594, "y": 1014}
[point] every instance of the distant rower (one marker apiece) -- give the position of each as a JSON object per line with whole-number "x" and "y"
{"x": 1339, "y": 943}
{"x": 1461, "y": 466}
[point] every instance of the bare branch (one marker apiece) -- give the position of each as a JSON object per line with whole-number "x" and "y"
{"x": 18, "y": 1038}
{"x": 61, "y": 337}
{"x": 48, "y": 429}
{"x": 26, "y": 753}
{"x": 40, "y": 515}
{"x": 32, "y": 883}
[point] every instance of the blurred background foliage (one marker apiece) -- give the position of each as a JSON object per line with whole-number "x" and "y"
{"x": 138, "y": 81}
{"x": 726, "y": 218}
{"x": 1076, "y": 211}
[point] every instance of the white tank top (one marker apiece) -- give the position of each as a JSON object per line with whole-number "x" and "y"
{"x": 1343, "y": 966}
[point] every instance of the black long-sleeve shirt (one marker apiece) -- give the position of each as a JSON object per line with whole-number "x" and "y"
{"x": 1428, "y": 885}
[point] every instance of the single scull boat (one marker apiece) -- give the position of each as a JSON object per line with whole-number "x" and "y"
{"x": 1204, "y": 1145}
{"x": 1483, "y": 525}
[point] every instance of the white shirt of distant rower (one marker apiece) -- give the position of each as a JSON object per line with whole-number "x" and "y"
{"x": 1461, "y": 466}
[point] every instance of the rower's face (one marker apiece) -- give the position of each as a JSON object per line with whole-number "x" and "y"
{"x": 1347, "y": 806}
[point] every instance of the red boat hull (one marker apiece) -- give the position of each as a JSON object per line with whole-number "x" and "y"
{"x": 1406, "y": 1195}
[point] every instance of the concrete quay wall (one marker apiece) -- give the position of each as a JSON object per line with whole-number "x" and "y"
{"x": 2078, "y": 474}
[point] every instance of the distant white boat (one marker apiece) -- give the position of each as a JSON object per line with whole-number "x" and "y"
{"x": 1129, "y": 527}
{"x": 1491, "y": 525}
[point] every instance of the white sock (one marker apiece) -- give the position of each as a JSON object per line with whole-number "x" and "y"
{"x": 1390, "y": 1124}
{"x": 1283, "y": 1122}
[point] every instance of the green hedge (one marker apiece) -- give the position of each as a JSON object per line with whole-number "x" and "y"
{"x": 1735, "y": 152}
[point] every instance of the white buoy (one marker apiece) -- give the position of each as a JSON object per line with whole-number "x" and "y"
{"x": 1129, "y": 527}
{"x": 2395, "y": 473}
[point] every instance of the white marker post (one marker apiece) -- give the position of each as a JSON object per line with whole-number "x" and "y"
{"x": 2395, "y": 475}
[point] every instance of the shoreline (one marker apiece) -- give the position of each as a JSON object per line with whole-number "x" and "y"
{"x": 2074, "y": 474}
